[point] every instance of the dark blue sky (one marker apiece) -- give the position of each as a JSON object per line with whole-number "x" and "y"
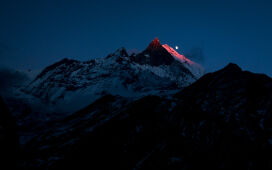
{"x": 34, "y": 34}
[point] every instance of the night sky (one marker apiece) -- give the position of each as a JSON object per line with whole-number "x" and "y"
{"x": 34, "y": 34}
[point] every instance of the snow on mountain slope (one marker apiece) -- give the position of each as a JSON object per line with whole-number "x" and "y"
{"x": 154, "y": 71}
{"x": 195, "y": 68}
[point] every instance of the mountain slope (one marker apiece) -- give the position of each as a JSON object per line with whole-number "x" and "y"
{"x": 222, "y": 121}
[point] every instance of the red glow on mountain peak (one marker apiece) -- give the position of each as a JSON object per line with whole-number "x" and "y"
{"x": 156, "y": 40}
{"x": 175, "y": 54}
{"x": 154, "y": 44}
{"x": 195, "y": 68}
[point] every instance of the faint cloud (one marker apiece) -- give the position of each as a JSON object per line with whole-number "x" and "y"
{"x": 196, "y": 54}
{"x": 11, "y": 79}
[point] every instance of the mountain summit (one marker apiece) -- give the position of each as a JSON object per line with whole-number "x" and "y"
{"x": 155, "y": 44}
{"x": 157, "y": 54}
{"x": 154, "y": 55}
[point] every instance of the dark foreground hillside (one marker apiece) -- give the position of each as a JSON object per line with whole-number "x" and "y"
{"x": 222, "y": 121}
{"x": 9, "y": 144}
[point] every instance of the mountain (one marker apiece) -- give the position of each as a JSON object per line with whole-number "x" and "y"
{"x": 156, "y": 54}
{"x": 221, "y": 121}
{"x": 69, "y": 85}
{"x": 157, "y": 70}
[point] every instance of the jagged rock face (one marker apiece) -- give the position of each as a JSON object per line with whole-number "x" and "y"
{"x": 9, "y": 145}
{"x": 223, "y": 120}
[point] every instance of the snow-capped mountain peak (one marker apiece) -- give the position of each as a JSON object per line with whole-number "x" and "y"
{"x": 157, "y": 54}
{"x": 156, "y": 70}
{"x": 154, "y": 55}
